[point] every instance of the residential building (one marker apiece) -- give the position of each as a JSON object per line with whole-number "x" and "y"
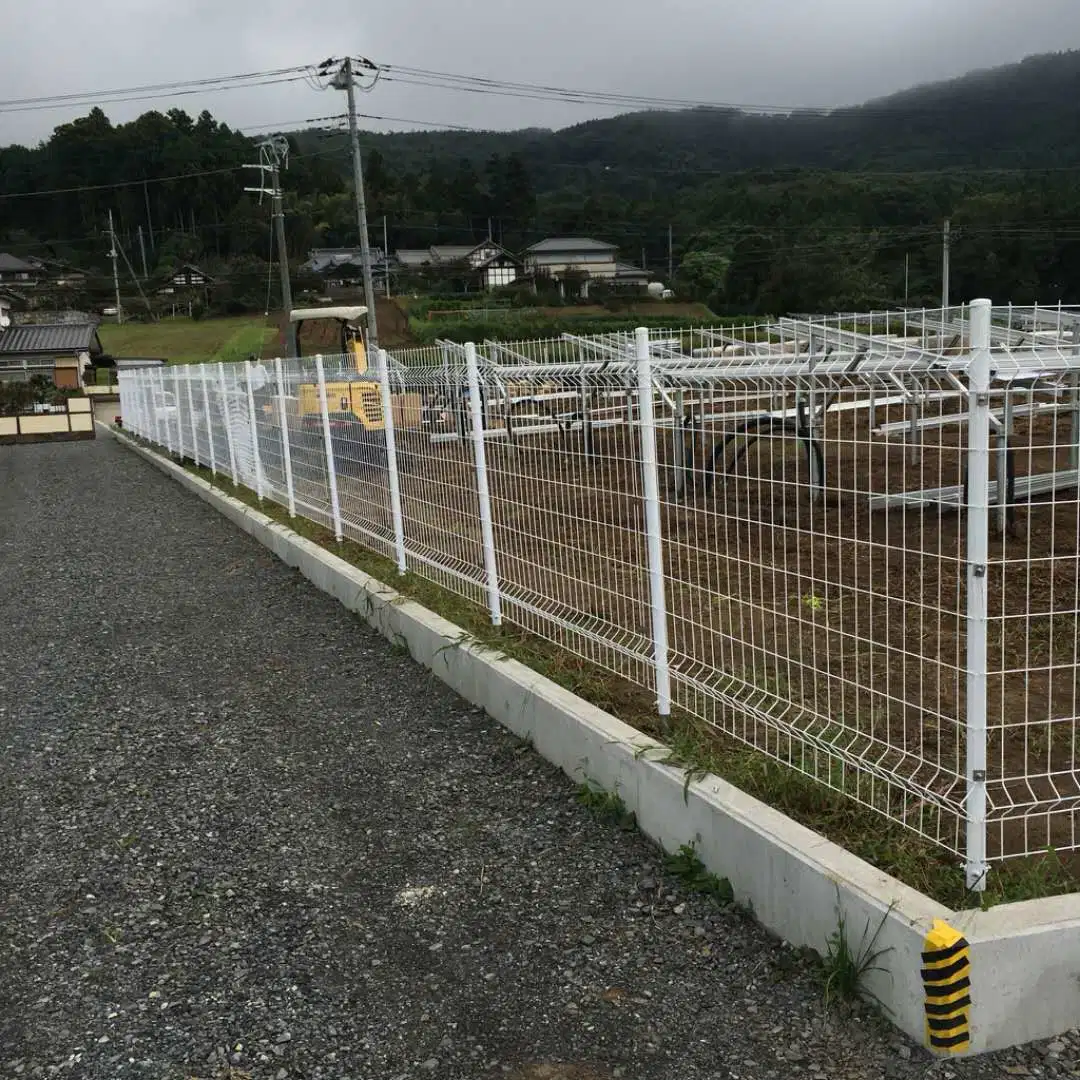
{"x": 487, "y": 264}
{"x": 341, "y": 267}
{"x": 413, "y": 258}
{"x": 572, "y": 257}
{"x": 61, "y": 352}
{"x": 190, "y": 276}
{"x": 24, "y": 272}
{"x": 32, "y": 271}
{"x": 7, "y": 306}
{"x": 630, "y": 278}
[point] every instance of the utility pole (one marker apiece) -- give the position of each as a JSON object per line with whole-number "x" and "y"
{"x": 386, "y": 255}
{"x": 643, "y": 266}
{"x": 946, "y": 238}
{"x": 142, "y": 250}
{"x": 344, "y": 81}
{"x": 907, "y": 275}
{"x": 273, "y": 152}
{"x": 149, "y": 219}
{"x": 114, "y": 255}
{"x": 670, "y": 256}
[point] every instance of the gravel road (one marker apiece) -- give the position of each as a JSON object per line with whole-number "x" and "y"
{"x": 241, "y": 836}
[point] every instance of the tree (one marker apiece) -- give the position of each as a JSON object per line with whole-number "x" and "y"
{"x": 705, "y": 273}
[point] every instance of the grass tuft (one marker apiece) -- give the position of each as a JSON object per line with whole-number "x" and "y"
{"x": 687, "y": 866}
{"x": 845, "y": 966}
{"x": 606, "y": 805}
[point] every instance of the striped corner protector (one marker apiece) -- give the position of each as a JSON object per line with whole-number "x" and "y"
{"x": 946, "y": 976}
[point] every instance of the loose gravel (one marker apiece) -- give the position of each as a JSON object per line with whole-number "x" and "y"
{"x": 241, "y": 836}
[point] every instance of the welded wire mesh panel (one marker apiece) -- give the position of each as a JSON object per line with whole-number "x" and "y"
{"x": 815, "y": 572}
{"x": 303, "y": 428}
{"x": 439, "y": 500}
{"x": 566, "y": 487}
{"x": 358, "y": 442}
{"x": 1034, "y": 591}
{"x": 128, "y": 408}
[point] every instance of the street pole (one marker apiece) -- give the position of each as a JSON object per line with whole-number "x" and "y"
{"x": 670, "y": 257}
{"x": 142, "y": 249}
{"x": 907, "y": 276}
{"x": 115, "y": 271}
{"x": 386, "y": 255}
{"x": 283, "y": 258}
{"x": 272, "y": 152}
{"x": 945, "y": 265}
{"x": 149, "y": 219}
{"x": 346, "y": 76}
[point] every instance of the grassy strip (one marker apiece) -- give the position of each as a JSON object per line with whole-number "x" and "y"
{"x": 190, "y": 341}
{"x": 700, "y": 749}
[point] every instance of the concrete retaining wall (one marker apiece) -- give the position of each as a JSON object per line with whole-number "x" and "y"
{"x": 1022, "y": 961}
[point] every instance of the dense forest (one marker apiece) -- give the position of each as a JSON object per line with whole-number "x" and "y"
{"x": 767, "y": 213}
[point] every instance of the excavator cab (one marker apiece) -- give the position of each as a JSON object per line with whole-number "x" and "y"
{"x": 352, "y": 392}
{"x": 351, "y": 340}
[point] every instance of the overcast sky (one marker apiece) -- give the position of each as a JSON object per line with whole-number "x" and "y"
{"x": 776, "y": 52}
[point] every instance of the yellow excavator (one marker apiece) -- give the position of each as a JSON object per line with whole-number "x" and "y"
{"x": 351, "y": 382}
{"x": 353, "y": 394}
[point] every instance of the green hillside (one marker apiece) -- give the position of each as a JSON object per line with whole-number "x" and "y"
{"x": 767, "y": 213}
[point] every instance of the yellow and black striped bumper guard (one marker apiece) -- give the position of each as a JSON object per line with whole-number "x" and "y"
{"x": 946, "y": 975}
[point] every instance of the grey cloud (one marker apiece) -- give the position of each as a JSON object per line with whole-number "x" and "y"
{"x": 778, "y": 52}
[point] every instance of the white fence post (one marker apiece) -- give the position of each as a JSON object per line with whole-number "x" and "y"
{"x": 651, "y": 488}
{"x": 978, "y": 550}
{"x": 133, "y": 422}
{"x": 179, "y": 416}
{"x": 189, "y": 372}
{"x": 228, "y": 424}
{"x": 160, "y": 416}
{"x": 146, "y": 412}
{"x": 254, "y": 431}
{"x": 487, "y": 530}
{"x": 392, "y": 461}
{"x": 286, "y": 450}
{"x": 331, "y": 468}
{"x": 209, "y": 421}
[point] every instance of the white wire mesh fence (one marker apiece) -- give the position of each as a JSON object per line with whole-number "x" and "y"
{"x": 849, "y": 543}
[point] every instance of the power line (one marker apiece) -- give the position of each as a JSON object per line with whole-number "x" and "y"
{"x": 159, "y": 90}
{"x": 83, "y": 188}
{"x": 888, "y": 106}
{"x": 120, "y": 184}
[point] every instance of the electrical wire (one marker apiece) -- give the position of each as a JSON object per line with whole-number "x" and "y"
{"x": 894, "y": 105}
{"x": 156, "y": 91}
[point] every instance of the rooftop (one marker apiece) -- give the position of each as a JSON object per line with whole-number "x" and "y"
{"x": 50, "y": 338}
{"x": 322, "y": 259}
{"x": 413, "y": 256}
{"x": 454, "y": 252}
{"x": 11, "y": 264}
{"x": 569, "y": 243}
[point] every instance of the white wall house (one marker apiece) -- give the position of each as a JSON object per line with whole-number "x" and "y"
{"x": 559, "y": 256}
{"x": 493, "y": 264}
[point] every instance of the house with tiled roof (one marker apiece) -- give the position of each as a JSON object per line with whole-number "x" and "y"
{"x": 61, "y": 352}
